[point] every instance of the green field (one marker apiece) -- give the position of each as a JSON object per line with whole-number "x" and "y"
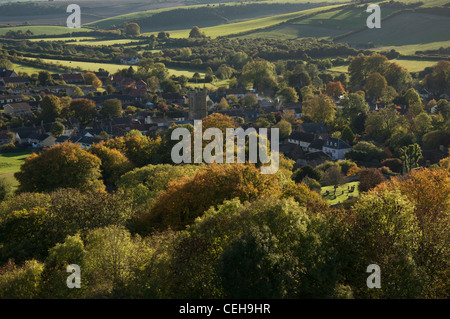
{"x": 330, "y": 199}
{"x": 404, "y": 29}
{"x": 411, "y": 65}
{"x": 412, "y": 48}
{"x": 113, "y": 68}
{"x": 10, "y": 163}
{"x": 71, "y": 39}
{"x": 43, "y": 30}
{"x": 246, "y": 26}
{"x": 28, "y": 69}
{"x": 103, "y": 42}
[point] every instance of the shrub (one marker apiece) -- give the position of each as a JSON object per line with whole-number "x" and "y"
{"x": 369, "y": 178}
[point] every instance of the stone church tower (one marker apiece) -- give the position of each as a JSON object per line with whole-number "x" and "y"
{"x": 198, "y": 109}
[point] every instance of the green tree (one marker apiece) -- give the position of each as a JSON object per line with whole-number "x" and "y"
{"x": 320, "y": 109}
{"x": 111, "y": 108}
{"x": 289, "y": 95}
{"x": 51, "y": 108}
{"x": 410, "y": 156}
{"x": 57, "y": 129}
{"x": 21, "y": 282}
{"x": 249, "y": 100}
{"x": 196, "y": 33}
{"x": 132, "y": 29}
{"x": 114, "y": 163}
{"x": 45, "y": 78}
{"x": 348, "y": 135}
{"x": 375, "y": 85}
{"x": 223, "y": 105}
{"x": 285, "y": 128}
{"x": 386, "y": 231}
{"x": 84, "y": 110}
{"x": 259, "y": 73}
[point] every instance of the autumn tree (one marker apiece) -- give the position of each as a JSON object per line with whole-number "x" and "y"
{"x": 320, "y": 109}
{"x": 369, "y": 178}
{"x": 209, "y": 187}
{"x": 140, "y": 150}
{"x": 223, "y": 105}
{"x": 84, "y": 110}
{"x": 428, "y": 190}
{"x": 63, "y": 166}
{"x": 335, "y": 89}
{"x": 398, "y": 77}
{"x": 113, "y": 163}
{"x": 375, "y": 85}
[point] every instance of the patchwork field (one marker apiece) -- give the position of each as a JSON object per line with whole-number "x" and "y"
{"x": 247, "y": 26}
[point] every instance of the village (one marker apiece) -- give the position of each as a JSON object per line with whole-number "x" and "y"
{"x": 307, "y": 143}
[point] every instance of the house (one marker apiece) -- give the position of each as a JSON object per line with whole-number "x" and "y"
{"x": 126, "y": 99}
{"x": 87, "y": 141}
{"x": 301, "y": 138}
{"x": 18, "y": 109}
{"x": 292, "y": 151}
{"x": 238, "y": 92}
{"x": 313, "y": 159}
{"x": 15, "y": 81}
{"x": 316, "y": 145}
{"x": 103, "y": 75}
{"x": 318, "y": 129}
{"x": 120, "y": 82}
{"x": 336, "y": 148}
{"x": 130, "y": 60}
{"x": 72, "y": 78}
{"x": 294, "y": 107}
{"x": 41, "y": 140}
{"x": 5, "y": 73}
{"x": 4, "y": 99}
{"x": 174, "y": 98}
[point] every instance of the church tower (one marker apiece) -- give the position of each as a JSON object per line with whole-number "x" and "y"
{"x": 198, "y": 109}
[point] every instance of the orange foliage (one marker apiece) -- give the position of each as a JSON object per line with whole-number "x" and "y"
{"x": 189, "y": 197}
